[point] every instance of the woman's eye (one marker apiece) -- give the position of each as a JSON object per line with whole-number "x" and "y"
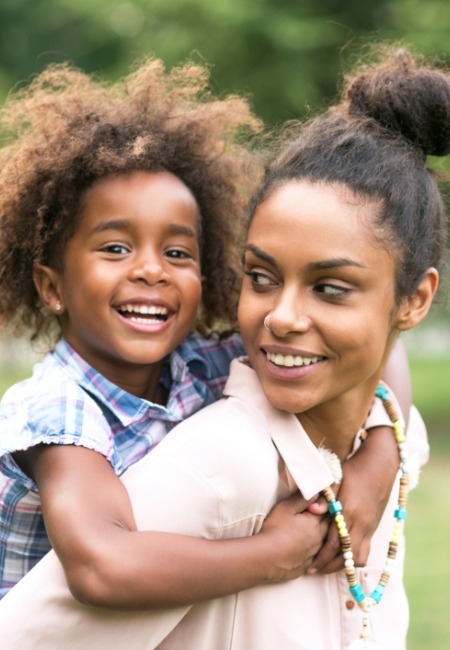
{"x": 259, "y": 279}
{"x": 332, "y": 290}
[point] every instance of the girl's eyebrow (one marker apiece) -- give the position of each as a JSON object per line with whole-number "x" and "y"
{"x": 113, "y": 224}
{"x": 177, "y": 229}
{"x": 125, "y": 224}
{"x": 322, "y": 265}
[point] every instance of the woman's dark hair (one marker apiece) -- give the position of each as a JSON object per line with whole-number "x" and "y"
{"x": 393, "y": 114}
{"x": 67, "y": 130}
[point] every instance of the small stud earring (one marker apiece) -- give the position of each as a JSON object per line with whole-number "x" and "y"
{"x": 58, "y": 306}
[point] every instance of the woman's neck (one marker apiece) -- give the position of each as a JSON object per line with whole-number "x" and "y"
{"x": 334, "y": 424}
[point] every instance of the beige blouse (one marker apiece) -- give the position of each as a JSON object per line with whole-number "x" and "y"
{"x": 217, "y": 475}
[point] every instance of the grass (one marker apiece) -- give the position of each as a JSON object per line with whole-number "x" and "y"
{"x": 427, "y": 570}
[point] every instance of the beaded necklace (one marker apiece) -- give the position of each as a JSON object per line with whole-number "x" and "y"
{"x": 366, "y": 603}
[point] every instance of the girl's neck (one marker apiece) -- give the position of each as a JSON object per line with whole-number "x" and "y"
{"x": 141, "y": 380}
{"x": 143, "y": 383}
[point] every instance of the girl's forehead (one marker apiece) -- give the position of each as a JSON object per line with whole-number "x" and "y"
{"x": 155, "y": 201}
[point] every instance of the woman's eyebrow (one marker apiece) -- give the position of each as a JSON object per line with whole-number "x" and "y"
{"x": 265, "y": 257}
{"x": 323, "y": 265}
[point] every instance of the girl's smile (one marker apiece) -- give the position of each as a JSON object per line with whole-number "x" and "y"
{"x": 142, "y": 315}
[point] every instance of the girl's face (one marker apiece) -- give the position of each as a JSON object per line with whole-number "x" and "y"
{"x": 313, "y": 264}
{"x": 130, "y": 284}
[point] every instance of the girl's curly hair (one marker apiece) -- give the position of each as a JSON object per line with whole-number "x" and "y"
{"x": 67, "y": 130}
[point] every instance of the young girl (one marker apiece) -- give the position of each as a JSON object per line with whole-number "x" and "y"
{"x": 120, "y": 221}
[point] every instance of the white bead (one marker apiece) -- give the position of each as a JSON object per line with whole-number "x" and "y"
{"x": 348, "y": 555}
{"x": 367, "y": 604}
{"x": 363, "y": 644}
{"x": 349, "y": 563}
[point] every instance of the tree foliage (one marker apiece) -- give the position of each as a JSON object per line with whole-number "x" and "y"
{"x": 285, "y": 54}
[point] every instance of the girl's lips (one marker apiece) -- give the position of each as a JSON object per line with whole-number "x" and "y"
{"x": 144, "y": 314}
{"x": 145, "y": 318}
{"x": 144, "y": 304}
{"x": 144, "y": 310}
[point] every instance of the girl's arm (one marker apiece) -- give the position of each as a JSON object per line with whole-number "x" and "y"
{"x": 109, "y": 563}
{"x": 369, "y": 476}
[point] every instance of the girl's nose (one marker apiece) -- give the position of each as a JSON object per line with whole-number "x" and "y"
{"x": 149, "y": 271}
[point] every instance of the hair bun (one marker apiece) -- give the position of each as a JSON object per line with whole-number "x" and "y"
{"x": 407, "y": 98}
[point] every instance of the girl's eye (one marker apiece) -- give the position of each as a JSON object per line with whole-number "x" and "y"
{"x": 115, "y": 249}
{"x": 177, "y": 254}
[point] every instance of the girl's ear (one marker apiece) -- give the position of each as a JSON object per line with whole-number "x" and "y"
{"x": 414, "y": 308}
{"x": 46, "y": 281}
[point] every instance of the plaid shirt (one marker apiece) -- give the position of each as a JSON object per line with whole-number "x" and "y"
{"x": 67, "y": 402}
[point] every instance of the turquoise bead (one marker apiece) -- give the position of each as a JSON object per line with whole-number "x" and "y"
{"x": 377, "y": 593}
{"x": 334, "y": 507}
{"x": 400, "y": 513}
{"x": 357, "y": 592}
{"x": 381, "y": 392}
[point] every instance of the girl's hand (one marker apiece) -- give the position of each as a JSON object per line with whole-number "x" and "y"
{"x": 297, "y": 529}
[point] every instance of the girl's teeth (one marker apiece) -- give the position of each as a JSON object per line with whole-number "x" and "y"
{"x": 290, "y": 360}
{"x": 139, "y": 319}
{"x": 145, "y": 309}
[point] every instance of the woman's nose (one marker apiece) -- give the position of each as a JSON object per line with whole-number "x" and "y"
{"x": 290, "y": 315}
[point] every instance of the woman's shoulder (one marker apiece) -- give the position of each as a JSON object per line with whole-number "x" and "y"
{"x": 228, "y": 442}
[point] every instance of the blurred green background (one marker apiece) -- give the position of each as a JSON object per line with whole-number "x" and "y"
{"x": 285, "y": 53}
{"x": 287, "y": 57}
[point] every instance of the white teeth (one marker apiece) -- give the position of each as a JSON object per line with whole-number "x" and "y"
{"x": 147, "y": 321}
{"x": 289, "y": 360}
{"x": 145, "y": 309}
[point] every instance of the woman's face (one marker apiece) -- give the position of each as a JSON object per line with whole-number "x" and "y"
{"x": 313, "y": 265}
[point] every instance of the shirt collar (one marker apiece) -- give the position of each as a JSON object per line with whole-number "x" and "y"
{"x": 306, "y": 468}
{"x": 183, "y": 361}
